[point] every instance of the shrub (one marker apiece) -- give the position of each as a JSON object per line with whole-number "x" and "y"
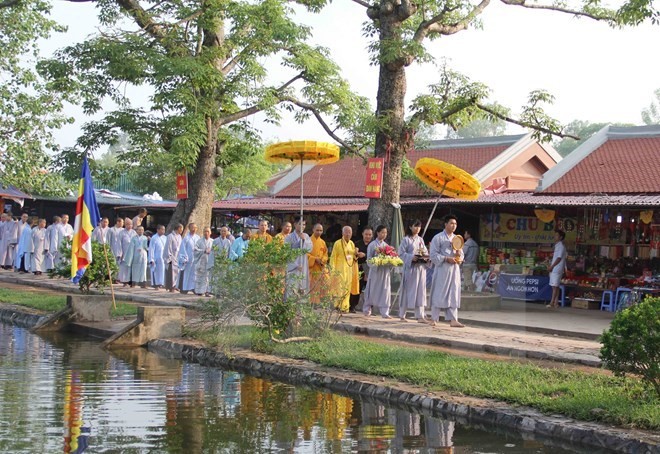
{"x": 632, "y": 344}
{"x": 256, "y": 287}
{"x": 96, "y": 274}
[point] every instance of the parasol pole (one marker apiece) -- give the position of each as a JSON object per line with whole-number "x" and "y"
{"x": 434, "y": 207}
{"x": 301, "y": 200}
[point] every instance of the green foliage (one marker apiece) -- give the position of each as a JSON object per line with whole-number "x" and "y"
{"x": 651, "y": 115}
{"x": 30, "y": 109}
{"x": 96, "y": 274}
{"x": 588, "y": 396}
{"x": 52, "y": 302}
{"x": 632, "y": 344}
{"x": 582, "y": 129}
{"x": 257, "y": 287}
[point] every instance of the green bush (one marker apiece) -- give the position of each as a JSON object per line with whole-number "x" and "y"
{"x": 632, "y": 344}
{"x": 96, "y": 274}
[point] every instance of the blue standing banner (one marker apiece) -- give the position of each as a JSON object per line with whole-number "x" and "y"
{"x": 524, "y": 287}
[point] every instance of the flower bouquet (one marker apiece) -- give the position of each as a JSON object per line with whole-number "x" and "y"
{"x": 385, "y": 256}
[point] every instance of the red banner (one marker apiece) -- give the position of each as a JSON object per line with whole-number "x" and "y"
{"x": 181, "y": 184}
{"x": 374, "y": 182}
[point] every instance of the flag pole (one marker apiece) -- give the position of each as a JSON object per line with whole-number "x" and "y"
{"x": 107, "y": 263}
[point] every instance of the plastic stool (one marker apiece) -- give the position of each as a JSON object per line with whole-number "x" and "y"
{"x": 611, "y": 304}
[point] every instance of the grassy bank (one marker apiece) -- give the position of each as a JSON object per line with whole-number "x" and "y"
{"x": 50, "y": 302}
{"x": 580, "y": 395}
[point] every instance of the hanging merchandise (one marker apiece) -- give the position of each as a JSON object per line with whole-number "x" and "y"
{"x": 646, "y": 216}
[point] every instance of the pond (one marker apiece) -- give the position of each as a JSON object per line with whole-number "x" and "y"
{"x": 63, "y": 393}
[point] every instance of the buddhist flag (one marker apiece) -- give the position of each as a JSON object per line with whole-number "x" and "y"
{"x": 87, "y": 217}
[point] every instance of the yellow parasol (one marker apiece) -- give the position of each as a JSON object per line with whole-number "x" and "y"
{"x": 301, "y": 151}
{"x": 448, "y": 180}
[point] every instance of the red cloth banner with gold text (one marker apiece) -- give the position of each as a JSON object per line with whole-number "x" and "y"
{"x": 374, "y": 182}
{"x": 181, "y": 184}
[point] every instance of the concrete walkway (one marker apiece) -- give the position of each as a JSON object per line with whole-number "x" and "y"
{"x": 518, "y": 330}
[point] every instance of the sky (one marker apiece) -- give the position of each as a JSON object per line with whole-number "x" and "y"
{"x": 596, "y": 73}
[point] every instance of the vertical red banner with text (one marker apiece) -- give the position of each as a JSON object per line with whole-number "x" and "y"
{"x": 374, "y": 182}
{"x": 181, "y": 184}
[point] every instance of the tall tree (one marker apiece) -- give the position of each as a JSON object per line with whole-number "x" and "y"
{"x": 651, "y": 115}
{"x": 399, "y": 31}
{"x": 29, "y": 109}
{"x": 210, "y": 65}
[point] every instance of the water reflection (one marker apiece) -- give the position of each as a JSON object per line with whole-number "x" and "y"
{"x": 65, "y": 394}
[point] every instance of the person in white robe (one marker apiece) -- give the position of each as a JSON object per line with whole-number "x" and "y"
{"x": 446, "y": 282}
{"x": 53, "y": 240}
{"x": 414, "y": 254}
{"x": 170, "y": 254}
{"x": 297, "y": 272}
{"x": 113, "y": 238}
{"x": 125, "y": 239}
{"x": 186, "y": 260}
{"x": 25, "y": 247}
{"x": 379, "y": 288}
{"x": 156, "y": 262}
{"x": 9, "y": 242}
{"x": 66, "y": 233}
{"x": 137, "y": 258}
{"x": 221, "y": 244}
{"x": 203, "y": 251}
{"x": 100, "y": 233}
{"x": 39, "y": 247}
{"x": 3, "y": 219}
{"x": 23, "y": 223}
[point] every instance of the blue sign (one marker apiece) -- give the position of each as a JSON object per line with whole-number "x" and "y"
{"x": 524, "y": 287}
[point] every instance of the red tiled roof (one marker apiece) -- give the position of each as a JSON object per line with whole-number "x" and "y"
{"x": 346, "y": 178}
{"x": 530, "y": 198}
{"x": 626, "y": 165}
{"x": 292, "y": 204}
{"x": 11, "y": 192}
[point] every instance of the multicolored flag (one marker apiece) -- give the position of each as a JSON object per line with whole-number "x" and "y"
{"x": 87, "y": 217}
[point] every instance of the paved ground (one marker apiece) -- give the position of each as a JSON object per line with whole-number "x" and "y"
{"x": 519, "y": 329}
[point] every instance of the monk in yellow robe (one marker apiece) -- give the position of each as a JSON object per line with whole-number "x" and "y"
{"x": 286, "y": 229}
{"x": 344, "y": 264}
{"x": 262, "y": 234}
{"x": 318, "y": 259}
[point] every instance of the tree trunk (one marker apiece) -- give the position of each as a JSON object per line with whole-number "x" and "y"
{"x": 394, "y": 140}
{"x": 201, "y": 191}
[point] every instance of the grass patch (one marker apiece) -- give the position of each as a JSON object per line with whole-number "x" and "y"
{"x": 580, "y": 395}
{"x": 50, "y": 302}
{"x": 226, "y": 337}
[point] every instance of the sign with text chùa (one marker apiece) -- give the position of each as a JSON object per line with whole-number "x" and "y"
{"x": 372, "y": 189}
{"x": 181, "y": 184}
{"x": 525, "y": 229}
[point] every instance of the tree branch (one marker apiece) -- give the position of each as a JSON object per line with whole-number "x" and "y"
{"x": 524, "y": 124}
{"x": 406, "y": 9}
{"x": 317, "y": 114}
{"x": 361, "y": 3}
{"x": 8, "y": 3}
{"x": 144, "y": 19}
{"x": 558, "y": 9}
{"x": 433, "y": 25}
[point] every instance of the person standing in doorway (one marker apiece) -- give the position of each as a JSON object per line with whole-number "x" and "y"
{"x": 557, "y": 267}
{"x": 446, "y": 283}
{"x": 471, "y": 251}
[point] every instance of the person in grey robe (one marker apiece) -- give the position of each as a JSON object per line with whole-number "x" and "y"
{"x": 378, "y": 292}
{"x": 113, "y": 237}
{"x": 3, "y": 220}
{"x": 52, "y": 253}
{"x": 414, "y": 254}
{"x": 297, "y": 271}
{"x": 186, "y": 260}
{"x": 202, "y": 250}
{"x": 136, "y": 258}
{"x": 39, "y": 246}
{"x": 170, "y": 254}
{"x": 125, "y": 239}
{"x": 100, "y": 233}
{"x": 156, "y": 262}
{"x": 23, "y": 223}
{"x": 23, "y": 261}
{"x": 446, "y": 283}
{"x": 9, "y": 242}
